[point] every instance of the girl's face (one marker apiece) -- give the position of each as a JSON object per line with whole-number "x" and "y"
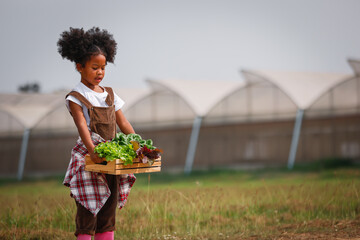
{"x": 93, "y": 72}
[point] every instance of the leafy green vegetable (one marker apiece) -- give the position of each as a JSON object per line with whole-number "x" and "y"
{"x": 127, "y": 154}
{"x": 108, "y": 150}
{"x": 111, "y": 151}
{"x": 126, "y": 148}
{"x": 123, "y": 139}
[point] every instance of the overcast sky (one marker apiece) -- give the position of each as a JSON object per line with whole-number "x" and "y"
{"x": 179, "y": 39}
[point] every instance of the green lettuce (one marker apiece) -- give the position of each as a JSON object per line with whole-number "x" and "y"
{"x": 111, "y": 151}
{"x": 123, "y": 139}
{"x": 122, "y": 147}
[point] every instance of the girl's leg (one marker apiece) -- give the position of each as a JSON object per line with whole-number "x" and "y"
{"x": 106, "y": 216}
{"x": 85, "y": 221}
{"x": 104, "y": 236}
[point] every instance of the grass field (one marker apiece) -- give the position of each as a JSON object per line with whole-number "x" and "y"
{"x": 271, "y": 204}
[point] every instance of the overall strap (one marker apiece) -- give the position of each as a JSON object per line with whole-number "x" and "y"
{"x": 81, "y": 98}
{"x": 110, "y": 97}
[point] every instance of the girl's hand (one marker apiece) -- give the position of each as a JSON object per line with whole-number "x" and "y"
{"x": 95, "y": 158}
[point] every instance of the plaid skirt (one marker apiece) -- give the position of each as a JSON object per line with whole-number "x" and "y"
{"x": 90, "y": 189}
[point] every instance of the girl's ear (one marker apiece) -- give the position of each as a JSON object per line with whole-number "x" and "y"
{"x": 79, "y": 67}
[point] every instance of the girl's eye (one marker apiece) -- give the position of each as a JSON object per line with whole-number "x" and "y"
{"x": 94, "y": 69}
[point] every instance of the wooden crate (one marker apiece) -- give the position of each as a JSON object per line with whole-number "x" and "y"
{"x": 116, "y": 167}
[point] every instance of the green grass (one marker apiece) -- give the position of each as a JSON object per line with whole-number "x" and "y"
{"x": 263, "y": 204}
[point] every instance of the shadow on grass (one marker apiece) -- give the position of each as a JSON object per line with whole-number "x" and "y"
{"x": 326, "y": 164}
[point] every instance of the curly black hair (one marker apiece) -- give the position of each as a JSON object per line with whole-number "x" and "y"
{"x": 78, "y": 46}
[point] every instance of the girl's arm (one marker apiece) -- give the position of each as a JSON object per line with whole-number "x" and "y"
{"x": 123, "y": 123}
{"x": 80, "y": 122}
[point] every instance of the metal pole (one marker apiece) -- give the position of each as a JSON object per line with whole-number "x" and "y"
{"x": 192, "y": 145}
{"x": 24, "y": 144}
{"x": 295, "y": 138}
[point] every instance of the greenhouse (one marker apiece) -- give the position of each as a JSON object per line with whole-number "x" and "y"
{"x": 271, "y": 118}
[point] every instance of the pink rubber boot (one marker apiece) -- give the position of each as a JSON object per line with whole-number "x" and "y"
{"x": 83, "y": 237}
{"x": 104, "y": 236}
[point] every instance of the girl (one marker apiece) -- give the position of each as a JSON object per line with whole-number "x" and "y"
{"x": 96, "y": 111}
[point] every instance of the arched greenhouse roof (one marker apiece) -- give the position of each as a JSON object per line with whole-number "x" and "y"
{"x": 131, "y": 95}
{"x": 303, "y": 88}
{"x": 29, "y": 109}
{"x": 33, "y": 110}
{"x": 355, "y": 65}
{"x": 201, "y": 96}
